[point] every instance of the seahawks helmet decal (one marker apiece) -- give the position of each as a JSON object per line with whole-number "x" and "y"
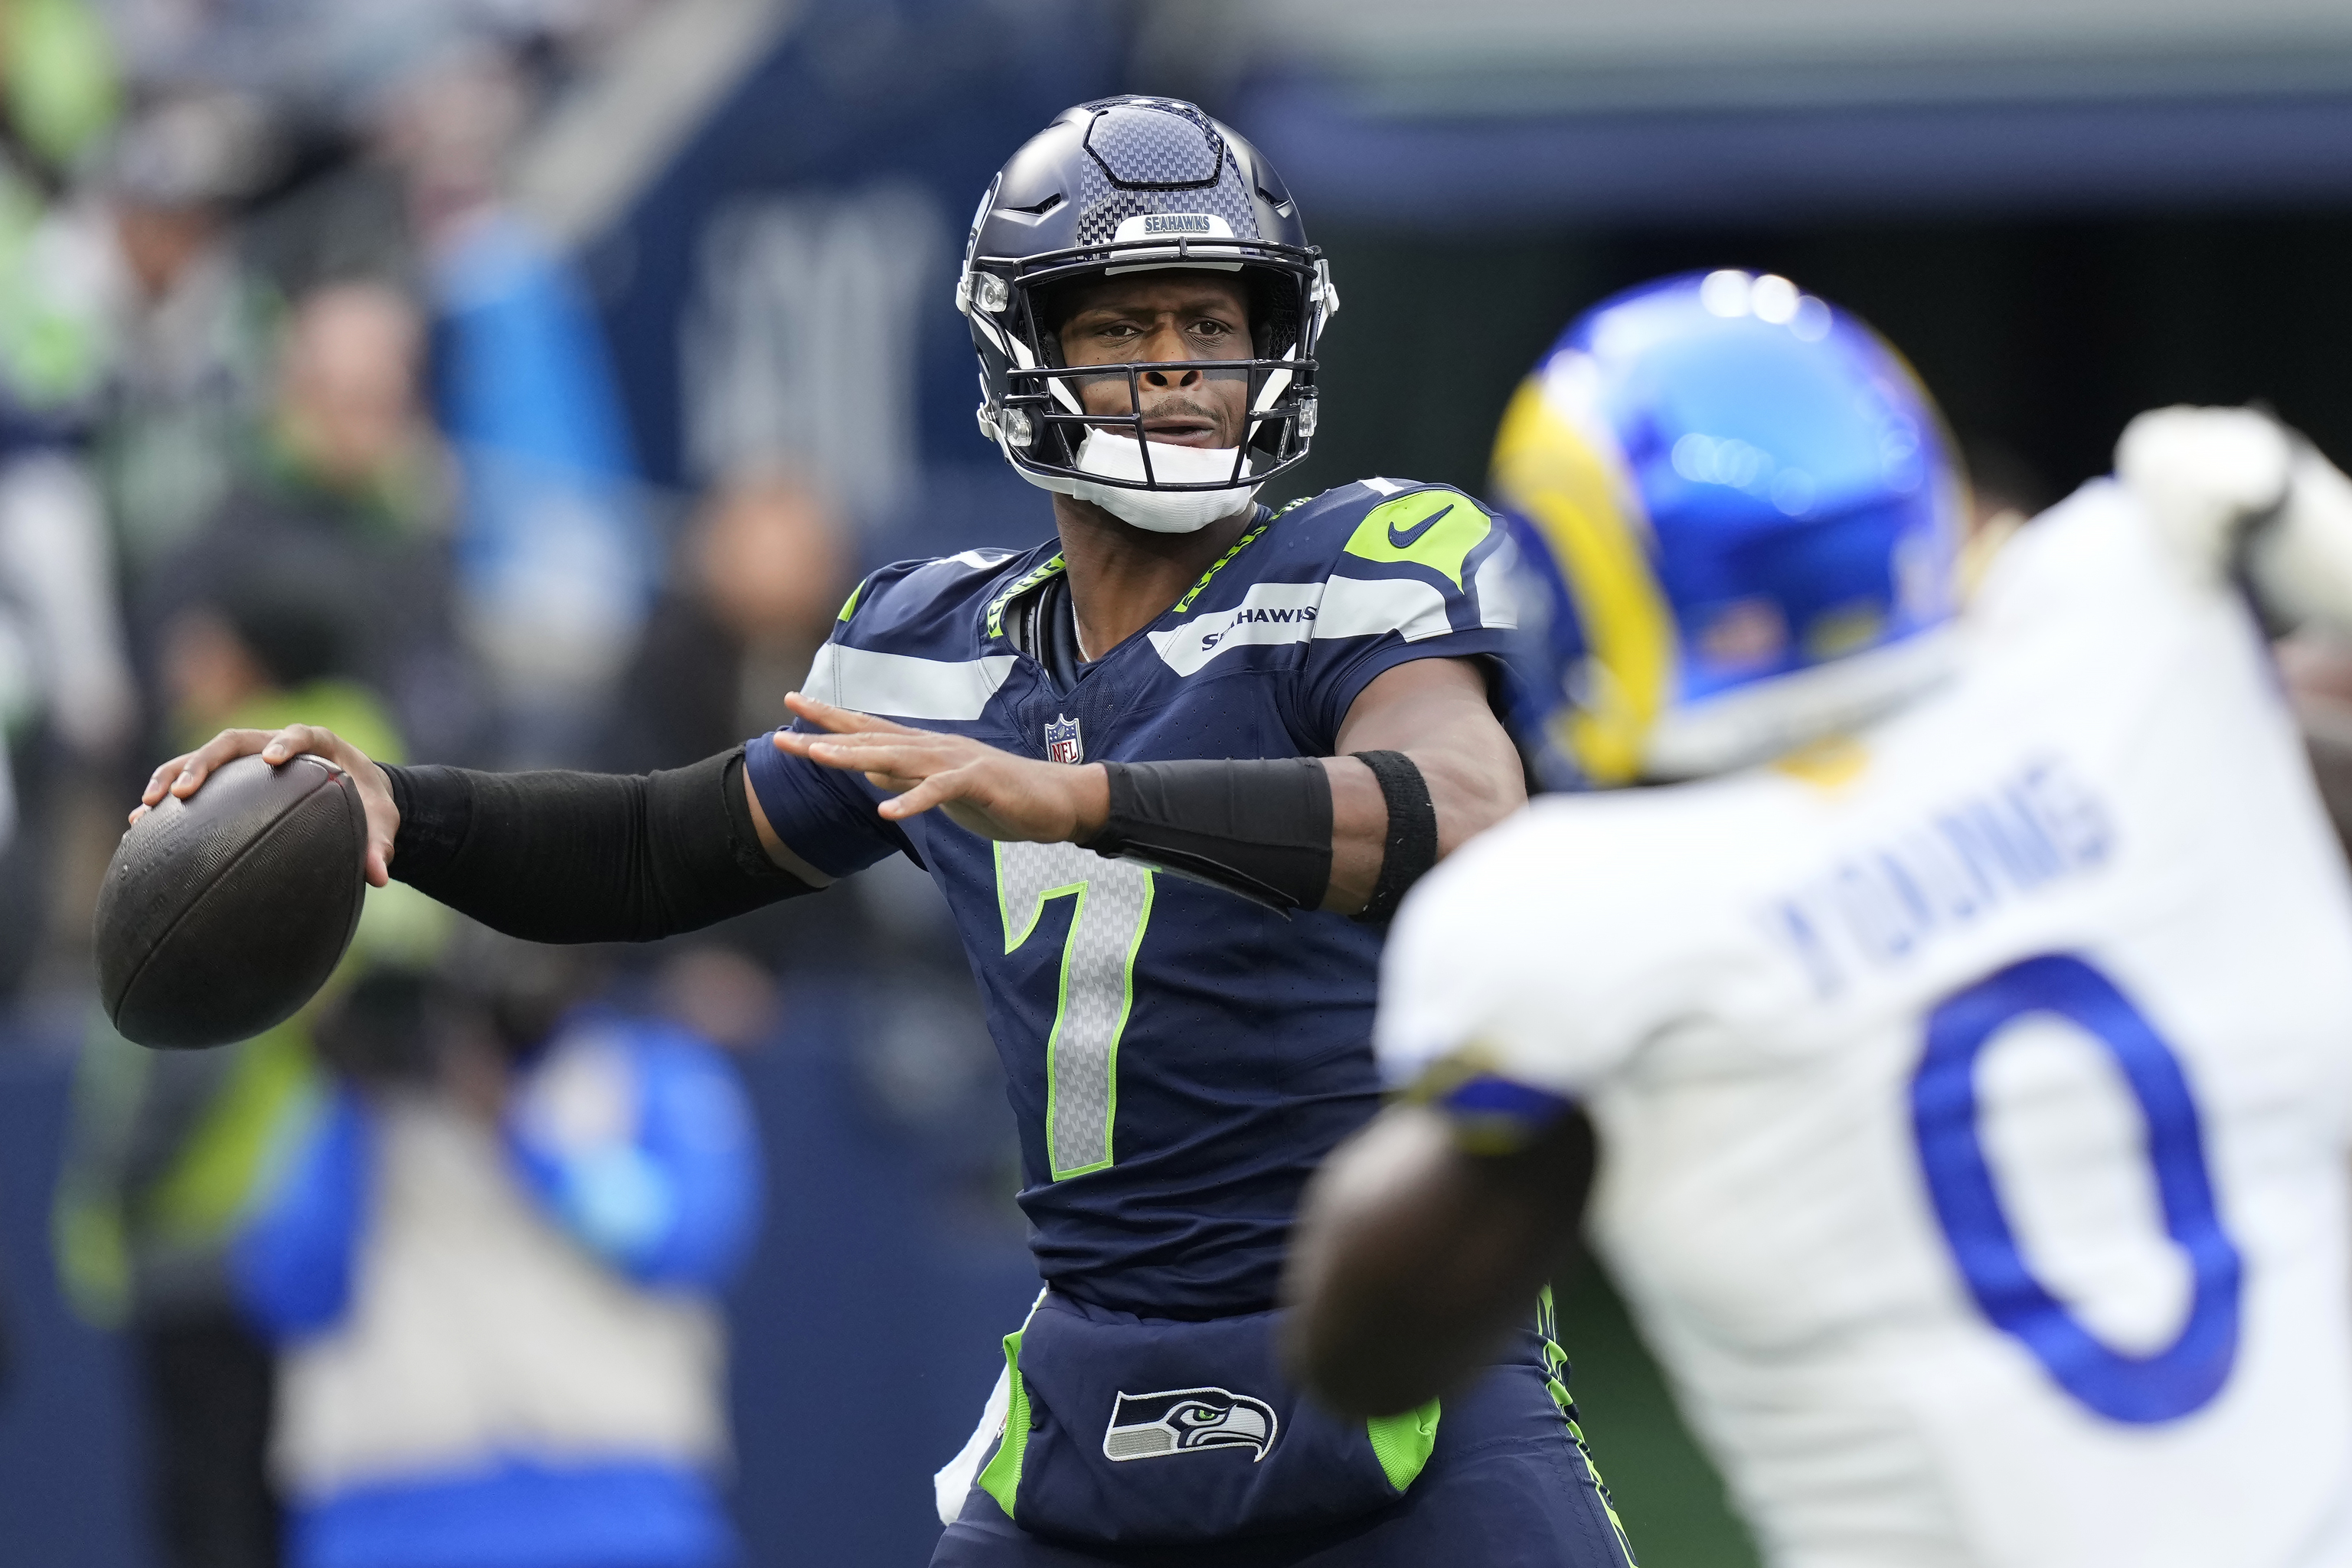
{"x": 1188, "y": 1421}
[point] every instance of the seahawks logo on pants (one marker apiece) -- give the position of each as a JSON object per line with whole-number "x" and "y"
{"x": 1188, "y": 1421}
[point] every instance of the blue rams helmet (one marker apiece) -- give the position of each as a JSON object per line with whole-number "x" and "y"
{"x": 1738, "y": 512}
{"x": 1134, "y": 184}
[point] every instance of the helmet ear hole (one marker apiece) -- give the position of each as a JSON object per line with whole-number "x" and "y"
{"x": 1046, "y": 308}
{"x": 1049, "y": 308}
{"x": 1272, "y": 311}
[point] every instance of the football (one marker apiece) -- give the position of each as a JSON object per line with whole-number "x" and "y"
{"x": 223, "y": 913}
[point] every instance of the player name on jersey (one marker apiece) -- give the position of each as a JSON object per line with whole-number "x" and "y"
{"x": 1957, "y": 862}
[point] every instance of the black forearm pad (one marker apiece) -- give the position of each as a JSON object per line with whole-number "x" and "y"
{"x": 1410, "y": 847}
{"x": 1261, "y": 828}
{"x": 565, "y": 856}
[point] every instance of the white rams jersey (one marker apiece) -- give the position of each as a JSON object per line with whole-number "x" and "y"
{"x": 1975, "y": 1104}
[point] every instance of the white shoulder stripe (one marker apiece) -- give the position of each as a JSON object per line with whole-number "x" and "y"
{"x": 1367, "y": 607}
{"x": 1269, "y": 612}
{"x": 1496, "y": 584}
{"x": 1273, "y": 612}
{"x": 899, "y": 687}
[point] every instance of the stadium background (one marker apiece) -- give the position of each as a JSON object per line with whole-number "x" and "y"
{"x": 2063, "y": 212}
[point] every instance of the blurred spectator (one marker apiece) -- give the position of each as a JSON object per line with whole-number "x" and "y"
{"x": 61, "y": 289}
{"x": 490, "y": 1278}
{"x": 59, "y": 68}
{"x": 556, "y": 560}
{"x": 192, "y": 352}
{"x": 166, "y": 1152}
{"x": 271, "y": 650}
{"x": 764, "y": 569}
{"x": 66, "y": 697}
{"x": 2318, "y": 673}
{"x": 339, "y": 521}
{"x": 59, "y": 95}
{"x": 759, "y": 578}
{"x": 719, "y": 995}
{"x": 258, "y": 656}
{"x": 170, "y": 1151}
{"x": 761, "y": 574}
{"x": 348, "y": 415}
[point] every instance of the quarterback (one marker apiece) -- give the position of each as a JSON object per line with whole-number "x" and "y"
{"x": 1172, "y": 769}
{"x": 1965, "y": 1020}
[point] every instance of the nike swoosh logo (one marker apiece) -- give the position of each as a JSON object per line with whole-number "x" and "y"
{"x": 1411, "y": 536}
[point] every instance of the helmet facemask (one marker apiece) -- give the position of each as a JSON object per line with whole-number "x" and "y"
{"x": 1033, "y": 401}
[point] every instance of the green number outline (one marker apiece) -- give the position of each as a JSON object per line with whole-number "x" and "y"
{"x": 1014, "y": 939}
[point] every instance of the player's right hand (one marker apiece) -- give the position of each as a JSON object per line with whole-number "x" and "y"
{"x": 985, "y": 789}
{"x": 185, "y": 773}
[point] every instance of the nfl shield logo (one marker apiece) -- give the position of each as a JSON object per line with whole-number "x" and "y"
{"x": 1061, "y": 742}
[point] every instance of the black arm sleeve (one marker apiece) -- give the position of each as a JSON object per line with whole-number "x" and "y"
{"x": 1259, "y": 827}
{"x": 565, "y": 857}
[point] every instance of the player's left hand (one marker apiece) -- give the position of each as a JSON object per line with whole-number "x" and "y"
{"x": 990, "y": 791}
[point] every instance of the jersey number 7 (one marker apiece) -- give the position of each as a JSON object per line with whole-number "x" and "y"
{"x": 1097, "y": 987}
{"x": 2183, "y": 1376}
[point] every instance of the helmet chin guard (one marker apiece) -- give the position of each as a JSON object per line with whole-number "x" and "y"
{"x": 1176, "y": 489}
{"x": 1133, "y": 184}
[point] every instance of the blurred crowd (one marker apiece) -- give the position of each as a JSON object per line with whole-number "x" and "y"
{"x": 301, "y": 418}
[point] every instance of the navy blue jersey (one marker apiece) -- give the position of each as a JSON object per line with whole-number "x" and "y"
{"x": 1179, "y": 1058}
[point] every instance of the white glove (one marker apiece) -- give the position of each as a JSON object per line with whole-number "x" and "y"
{"x": 2204, "y": 473}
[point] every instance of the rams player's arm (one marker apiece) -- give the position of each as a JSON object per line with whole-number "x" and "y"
{"x": 2246, "y": 500}
{"x": 2241, "y": 496}
{"x": 1415, "y": 1257}
{"x": 1424, "y": 766}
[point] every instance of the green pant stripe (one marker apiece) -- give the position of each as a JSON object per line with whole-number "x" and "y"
{"x": 1001, "y": 1477}
{"x": 1555, "y": 1362}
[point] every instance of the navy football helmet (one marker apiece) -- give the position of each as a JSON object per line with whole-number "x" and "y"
{"x": 1740, "y": 513}
{"x": 1133, "y": 184}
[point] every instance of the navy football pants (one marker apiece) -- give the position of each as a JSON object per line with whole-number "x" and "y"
{"x": 1505, "y": 1487}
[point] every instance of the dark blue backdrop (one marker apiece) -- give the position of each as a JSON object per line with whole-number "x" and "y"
{"x": 931, "y": 93}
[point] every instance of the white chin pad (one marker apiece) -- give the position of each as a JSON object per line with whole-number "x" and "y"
{"x": 1161, "y": 511}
